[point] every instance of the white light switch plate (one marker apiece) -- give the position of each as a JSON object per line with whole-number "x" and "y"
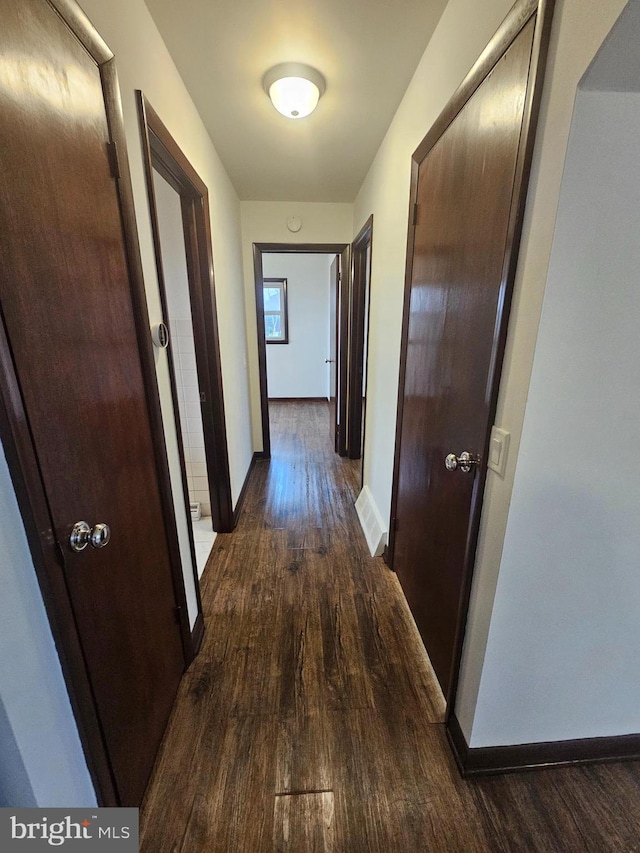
{"x": 498, "y": 450}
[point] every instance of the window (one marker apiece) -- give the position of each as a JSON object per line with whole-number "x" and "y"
{"x": 276, "y": 325}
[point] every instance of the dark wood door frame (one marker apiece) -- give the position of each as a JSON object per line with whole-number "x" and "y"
{"x": 342, "y": 249}
{"x": 334, "y": 339}
{"x": 359, "y": 322}
{"x": 22, "y": 458}
{"x": 161, "y": 152}
{"x": 520, "y": 15}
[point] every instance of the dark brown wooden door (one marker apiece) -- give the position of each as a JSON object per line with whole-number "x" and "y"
{"x": 334, "y": 290}
{"x": 465, "y": 192}
{"x": 66, "y": 302}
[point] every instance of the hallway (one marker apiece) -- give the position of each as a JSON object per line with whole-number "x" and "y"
{"x": 310, "y": 720}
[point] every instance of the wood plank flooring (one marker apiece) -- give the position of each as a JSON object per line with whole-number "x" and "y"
{"x": 311, "y": 720}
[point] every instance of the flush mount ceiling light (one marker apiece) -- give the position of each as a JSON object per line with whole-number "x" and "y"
{"x": 294, "y": 88}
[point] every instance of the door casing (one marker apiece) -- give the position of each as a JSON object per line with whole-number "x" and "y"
{"x": 334, "y": 338}
{"x": 161, "y": 152}
{"x": 359, "y": 305}
{"x": 341, "y": 249}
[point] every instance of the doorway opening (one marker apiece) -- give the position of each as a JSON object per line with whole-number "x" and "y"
{"x": 183, "y": 364}
{"x": 302, "y": 313}
{"x": 178, "y": 203}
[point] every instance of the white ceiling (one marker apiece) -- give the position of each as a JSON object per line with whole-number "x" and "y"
{"x": 366, "y": 49}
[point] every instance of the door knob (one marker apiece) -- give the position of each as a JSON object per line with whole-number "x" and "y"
{"x": 465, "y": 462}
{"x": 83, "y": 535}
{"x": 329, "y": 360}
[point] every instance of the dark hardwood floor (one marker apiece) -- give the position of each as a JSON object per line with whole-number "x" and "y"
{"x": 311, "y": 720}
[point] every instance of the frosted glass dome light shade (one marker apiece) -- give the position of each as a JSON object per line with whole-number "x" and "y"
{"x": 294, "y": 97}
{"x": 294, "y": 89}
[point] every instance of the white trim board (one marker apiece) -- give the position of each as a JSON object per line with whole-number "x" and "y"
{"x": 371, "y": 522}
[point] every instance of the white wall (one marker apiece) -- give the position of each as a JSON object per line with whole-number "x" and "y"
{"x": 266, "y": 222}
{"x": 143, "y": 62}
{"x": 174, "y": 264}
{"x": 298, "y": 369}
{"x": 563, "y": 650}
{"x": 464, "y": 30}
{"x": 41, "y": 758}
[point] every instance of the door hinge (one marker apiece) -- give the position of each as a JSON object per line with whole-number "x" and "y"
{"x": 415, "y": 213}
{"x": 395, "y": 525}
{"x": 114, "y": 162}
{"x": 177, "y": 612}
{"x": 339, "y": 277}
{"x": 203, "y": 397}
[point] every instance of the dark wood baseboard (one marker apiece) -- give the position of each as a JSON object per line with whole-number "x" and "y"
{"x": 298, "y": 400}
{"x": 481, "y": 761}
{"x": 243, "y": 491}
{"x": 197, "y": 635}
